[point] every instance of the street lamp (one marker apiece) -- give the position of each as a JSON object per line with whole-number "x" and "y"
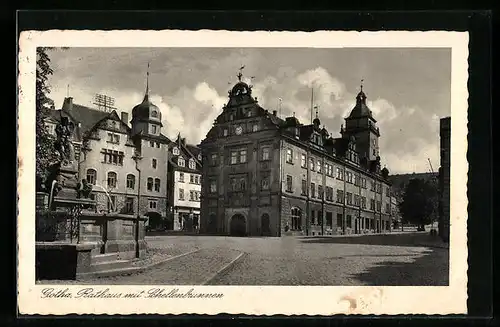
{"x": 137, "y": 158}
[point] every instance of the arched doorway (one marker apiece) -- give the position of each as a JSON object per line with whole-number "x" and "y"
{"x": 212, "y": 224}
{"x": 238, "y": 225}
{"x": 155, "y": 222}
{"x": 264, "y": 225}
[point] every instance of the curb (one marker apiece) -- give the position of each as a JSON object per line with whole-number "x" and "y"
{"x": 128, "y": 270}
{"x": 224, "y": 269}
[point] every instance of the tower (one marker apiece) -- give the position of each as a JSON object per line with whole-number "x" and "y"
{"x": 146, "y": 117}
{"x": 363, "y": 127}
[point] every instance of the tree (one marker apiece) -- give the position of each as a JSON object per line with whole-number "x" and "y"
{"x": 419, "y": 202}
{"x": 45, "y": 152}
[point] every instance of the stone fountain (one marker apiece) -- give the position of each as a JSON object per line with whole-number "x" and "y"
{"x": 73, "y": 240}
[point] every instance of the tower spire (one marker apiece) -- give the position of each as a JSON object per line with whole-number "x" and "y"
{"x": 316, "y": 107}
{"x": 146, "y": 95}
{"x": 361, "y": 85}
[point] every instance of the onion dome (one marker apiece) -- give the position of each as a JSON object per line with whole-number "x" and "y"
{"x": 361, "y": 109}
{"x": 146, "y": 110}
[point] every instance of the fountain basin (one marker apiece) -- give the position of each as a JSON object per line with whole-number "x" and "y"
{"x": 61, "y": 255}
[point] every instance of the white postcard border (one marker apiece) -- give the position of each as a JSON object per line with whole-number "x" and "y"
{"x": 254, "y": 300}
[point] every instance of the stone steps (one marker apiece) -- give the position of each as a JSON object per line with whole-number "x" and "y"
{"x": 109, "y": 265}
{"x": 105, "y": 257}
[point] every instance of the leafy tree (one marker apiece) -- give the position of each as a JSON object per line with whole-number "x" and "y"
{"x": 45, "y": 151}
{"x": 419, "y": 203}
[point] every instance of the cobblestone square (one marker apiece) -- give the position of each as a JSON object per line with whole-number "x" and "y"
{"x": 383, "y": 260}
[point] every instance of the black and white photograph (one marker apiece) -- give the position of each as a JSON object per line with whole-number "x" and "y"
{"x": 243, "y": 165}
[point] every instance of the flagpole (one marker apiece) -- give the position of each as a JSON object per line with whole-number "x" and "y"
{"x": 312, "y": 101}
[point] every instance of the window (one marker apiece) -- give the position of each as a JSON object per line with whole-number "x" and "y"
{"x": 191, "y": 178}
{"x": 296, "y": 217}
{"x": 329, "y": 219}
{"x": 150, "y": 184}
{"x": 265, "y": 183}
{"x": 243, "y": 156}
{"x": 158, "y": 145}
{"x": 237, "y": 183}
{"x": 372, "y": 185}
{"x": 313, "y": 190}
{"x": 349, "y": 221}
{"x": 153, "y": 163}
{"x": 289, "y": 156}
{"x": 181, "y": 194}
{"x": 303, "y": 161}
{"x": 181, "y": 177}
{"x": 154, "y": 114}
{"x": 363, "y": 202}
{"x": 157, "y": 185}
{"x": 363, "y": 182}
{"x": 153, "y": 204}
{"x": 320, "y": 192}
{"x": 192, "y": 164}
{"x": 129, "y": 205}
{"x": 197, "y": 179}
{"x": 318, "y": 166}
{"x": 265, "y": 154}
{"x": 349, "y": 198}
{"x": 113, "y": 138}
{"x": 289, "y": 183}
{"x": 175, "y": 151}
{"x": 234, "y": 157}
{"x": 340, "y": 173}
{"x": 213, "y": 159}
{"x": 130, "y": 181}
{"x": 356, "y": 200}
{"x": 311, "y": 164}
{"x": 388, "y": 208}
{"x": 379, "y": 206}
{"x": 112, "y": 179}
{"x": 312, "y": 217}
{"x": 388, "y": 191}
{"x": 181, "y": 162}
{"x": 112, "y": 157}
{"x": 372, "y": 204}
{"x": 356, "y": 180}
{"x": 213, "y": 185}
{"x": 340, "y": 196}
{"x": 191, "y": 195}
{"x": 349, "y": 177}
{"x": 304, "y": 187}
{"x": 329, "y": 193}
{"x": 91, "y": 176}
{"x": 153, "y": 129}
{"x": 340, "y": 223}
{"x": 111, "y": 203}
{"x": 255, "y": 128}
{"x": 152, "y": 144}
{"x": 225, "y": 132}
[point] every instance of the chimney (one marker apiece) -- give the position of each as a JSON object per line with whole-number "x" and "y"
{"x": 275, "y": 112}
{"x": 68, "y": 104}
{"x": 125, "y": 117}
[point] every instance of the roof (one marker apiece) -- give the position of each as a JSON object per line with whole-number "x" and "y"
{"x": 360, "y": 109}
{"x": 86, "y": 116}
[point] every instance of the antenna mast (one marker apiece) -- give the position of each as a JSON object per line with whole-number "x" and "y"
{"x": 104, "y": 102}
{"x": 430, "y": 165}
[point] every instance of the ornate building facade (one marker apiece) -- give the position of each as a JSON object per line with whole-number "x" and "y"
{"x": 444, "y": 179}
{"x": 263, "y": 175}
{"x": 126, "y": 162}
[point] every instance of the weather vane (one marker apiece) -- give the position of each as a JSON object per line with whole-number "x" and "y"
{"x": 362, "y": 85}
{"x": 240, "y": 73}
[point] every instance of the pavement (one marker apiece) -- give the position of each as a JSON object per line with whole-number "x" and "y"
{"x": 378, "y": 260}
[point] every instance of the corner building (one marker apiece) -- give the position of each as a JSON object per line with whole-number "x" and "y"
{"x": 267, "y": 176}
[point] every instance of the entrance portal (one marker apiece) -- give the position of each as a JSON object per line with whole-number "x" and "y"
{"x": 238, "y": 226}
{"x": 264, "y": 224}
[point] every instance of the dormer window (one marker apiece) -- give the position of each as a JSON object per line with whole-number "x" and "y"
{"x": 192, "y": 164}
{"x": 154, "y": 114}
{"x": 154, "y": 129}
{"x": 199, "y": 157}
{"x": 175, "y": 151}
{"x": 255, "y": 128}
{"x": 181, "y": 162}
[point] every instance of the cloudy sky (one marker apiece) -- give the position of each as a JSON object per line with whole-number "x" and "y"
{"x": 408, "y": 90}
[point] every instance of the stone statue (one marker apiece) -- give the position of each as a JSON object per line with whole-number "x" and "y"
{"x": 63, "y": 144}
{"x": 83, "y": 189}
